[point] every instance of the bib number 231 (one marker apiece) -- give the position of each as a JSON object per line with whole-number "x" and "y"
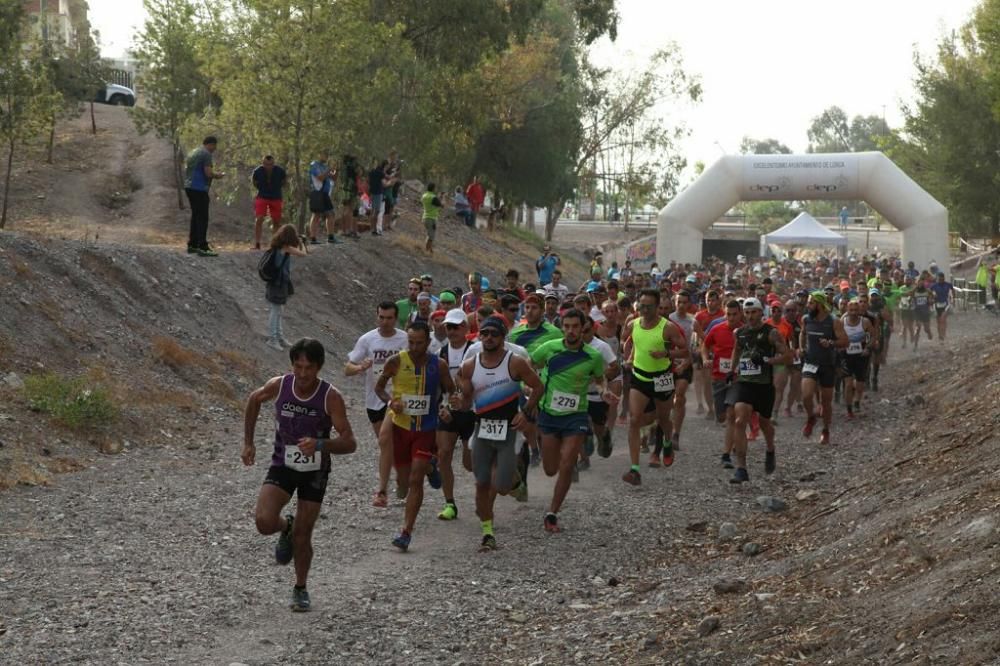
{"x": 416, "y": 405}
{"x": 300, "y": 462}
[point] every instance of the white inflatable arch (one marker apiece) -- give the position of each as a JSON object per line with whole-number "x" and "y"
{"x": 871, "y": 176}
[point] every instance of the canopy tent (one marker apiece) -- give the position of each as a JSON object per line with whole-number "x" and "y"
{"x": 803, "y": 230}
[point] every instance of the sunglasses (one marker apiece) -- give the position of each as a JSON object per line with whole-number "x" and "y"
{"x": 646, "y": 306}
{"x": 451, "y": 327}
{"x": 490, "y": 333}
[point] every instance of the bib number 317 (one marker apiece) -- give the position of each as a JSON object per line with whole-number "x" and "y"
{"x": 493, "y": 429}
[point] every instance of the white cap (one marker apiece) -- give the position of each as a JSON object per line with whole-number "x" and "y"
{"x": 455, "y": 317}
{"x": 752, "y": 304}
{"x": 598, "y": 316}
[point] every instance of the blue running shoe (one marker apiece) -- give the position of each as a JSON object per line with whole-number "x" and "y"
{"x": 434, "y": 474}
{"x": 402, "y": 540}
{"x": 283, "y": 549}
{"x": 300, "y": 600}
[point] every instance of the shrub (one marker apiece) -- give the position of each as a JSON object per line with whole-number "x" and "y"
{"x": 72, "y": 402}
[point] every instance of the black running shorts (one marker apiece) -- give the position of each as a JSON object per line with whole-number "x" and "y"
{"x": 311, "y": 486}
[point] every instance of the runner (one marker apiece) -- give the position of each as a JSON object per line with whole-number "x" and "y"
{"x": 943, "y": 294}
{"x": 859, "y": 332}
{"x": 921, "y": 311}
{"x": 794, "y": 319}
{"x": 718, "y": 345}
{"x": 906, "y": 315}
{"x": 884, "y": 323}
{"x": 462, "y": 420}
{"x": 703, "y": 366}
{"x": 407, "y": 306}
{"x": 652, "y": 338}
{"x": 684, "y": 369}
{"x": 417, "y": 382}
{"x": 300, "y": 462}
{"x": 569, "y": 366}
{"x": 597, "y": 408}
{"x": 490, "y": 381}
{"x": 822, "y": 334}
{"x": 759, "y": 348}
{"x": 432, "y": 209}
{"x": 369, "y": 355}
{"x": 781, "y": 372}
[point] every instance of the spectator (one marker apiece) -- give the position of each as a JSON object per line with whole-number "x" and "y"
{"x": 476, "y": 196}
{"x": 844, "y": 215}
{"x": 378, "y": 182}
{"x": 393, "y": 174}
{"x": 268, "y": 178}
{"x": 321, "y": 178}
{"x": 463, "y": 209}
{"x": 546, "y": 264}
{"x": 473, "y": 300}
{"x": 432, "y": 209}
{"x": 351, "y": 196}
{"x": 199, "y": 174}
{"x": 286, "y": 244}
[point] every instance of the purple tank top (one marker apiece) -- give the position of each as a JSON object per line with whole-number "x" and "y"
{"x": 297, "y": 417}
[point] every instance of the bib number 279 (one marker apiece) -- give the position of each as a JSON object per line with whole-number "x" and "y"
{"x": 565, "y": 402}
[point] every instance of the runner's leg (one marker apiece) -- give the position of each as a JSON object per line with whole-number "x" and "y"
{"x": 305, "y": 520}
{"x": 270, "y": 501}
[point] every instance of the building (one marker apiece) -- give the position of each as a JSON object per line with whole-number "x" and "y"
{"x": 58, "y": 20}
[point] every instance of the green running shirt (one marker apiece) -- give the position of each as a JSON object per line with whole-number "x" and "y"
{"x": 567, "y": 376}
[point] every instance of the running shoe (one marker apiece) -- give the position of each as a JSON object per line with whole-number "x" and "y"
{"x": 654, "y": 460}
{"x": 313, "y": 241}
{"x": 434, "y": 474}
{"x": 857, "y": 406}
{"x": 380, "y": 500}
{"x": 644, "y": 447}
{"x": 536, "y": 457}
{"x": 727, "y": 461}
{"x": 551, "y": 523}
{"x": 850, "y": 413}
{"x": 192, "y": 249}
{"x": 668, "y": 456}
{"x": 274, "y": 344}
{"x": 583, "y": 465}
{"x": 520, "y": 493}
{"x": 740, "y": 476}
{"x": 807, "y": 429}
{"x": 588, "y": 445}
{"x": 675, "y": 440}
{"x": 824, "y": 438}
{"x": 574, "y": 475}
{"x": 604, "y": 446}
{"x": 489, "y": 543}
{"x": 769, "y": 462}
{"x": 285, "y": 342}
{"x": 632, "y": 477}
{"x": 402, "y": 540}
{"x": 283, "y": 550}
{"x": 710, "y": 415}
{"x": 207, "y": 251}
{"x": 333, "y": 240}
{"x": 449, "y": 512}
{"x": 300, "y": 600}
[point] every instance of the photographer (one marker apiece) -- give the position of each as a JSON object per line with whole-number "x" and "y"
{"x": 546, "y": 264}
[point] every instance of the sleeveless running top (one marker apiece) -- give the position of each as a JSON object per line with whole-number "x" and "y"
{"x": 454, "y": 358}
{"x": 495, "y": 394}
{"x": 755, "y": 346}
{"x": 817, "y": 330}
{"x": 645, "y": 341}
{"x": 419, "y": 388}
{"x": 686, "y": 324}
{"x": 297, "y": 417}
{"x": 856, "y": 336}
{"x": 922, "y": 301}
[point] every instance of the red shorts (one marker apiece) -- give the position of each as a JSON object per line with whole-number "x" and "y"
{"x": 408, "y": 445}
{"x": 262, "y": 207}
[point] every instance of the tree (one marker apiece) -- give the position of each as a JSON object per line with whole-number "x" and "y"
{"x": 25, "y": 88}
{"x": 828, "y": 132}
{"x": 75, "y": 73}
{"x": 749, "y": 146}
{"x": 951, "y": 135}
{"x": 175, "y": 89}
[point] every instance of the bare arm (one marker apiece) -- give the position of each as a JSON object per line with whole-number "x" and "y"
{"x": 465, "y": 383}
{"x": 840, "y": 337}
{"x": 344, "y": 442}
{"x": 265, "y": 393}
{"x": 784, "y": 354}
{"x": 388, "y": 372}
{"x": 522, "y": 371}
{"x": 294, "y": 250}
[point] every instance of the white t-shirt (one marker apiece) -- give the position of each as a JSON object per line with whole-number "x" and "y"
{"x": 378, "y": 348}
{"x": 609, "y": 356}
{"x": 562, "y": 291}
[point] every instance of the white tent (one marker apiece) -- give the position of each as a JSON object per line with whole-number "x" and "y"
{"x": 803, "y": 230}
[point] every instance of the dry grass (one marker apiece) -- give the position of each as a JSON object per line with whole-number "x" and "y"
{"x": 169, "y": 352}
{"x": 22, "y": 269}
{"x": 183, "y": 400}
{"x": 238, "y": 361}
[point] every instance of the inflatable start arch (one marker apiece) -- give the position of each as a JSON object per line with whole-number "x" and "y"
{"x": 872, "y": 177}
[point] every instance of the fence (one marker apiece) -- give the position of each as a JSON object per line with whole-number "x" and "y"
{"x": 120, "y": 77}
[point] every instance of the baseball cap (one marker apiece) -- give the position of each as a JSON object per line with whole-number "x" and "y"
{"x": 427, "y": 276}
{"x": 439, "y": 314}
{"x": 691, "y": 278}
{"x": 752, "y": 304}
{"x": 446, "y": 297}
{"x": 455, "y": 317}
{"x": 552, "y": 295}
{"x": 844, "y": 284}
{"x": 495, "y": 323}
{"x": 535, "y": 298}
{"x": 423, "y": 296}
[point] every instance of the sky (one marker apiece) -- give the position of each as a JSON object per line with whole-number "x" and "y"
{"x": 767, "y": 67}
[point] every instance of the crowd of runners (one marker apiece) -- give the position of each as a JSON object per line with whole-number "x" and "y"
{"x": 538, "y": 374}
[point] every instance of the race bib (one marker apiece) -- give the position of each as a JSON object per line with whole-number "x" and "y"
{"x": 725, "y": 365}
{"x": 416, "y": 405}
{"x": 493, "y": 429}
{"x": 940, "y": 306}
{"x": 300, "y": 462}
{"x": 797, "y": 361}
{"x": 663, "y": 383}
{"x": 565, "y": 402}
{"x": 854, "y": 348}
{"x": 748, "y": 368}
{"x": 811, "y": 368}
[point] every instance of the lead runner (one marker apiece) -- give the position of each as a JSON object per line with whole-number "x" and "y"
{"x": 306, "y": 409}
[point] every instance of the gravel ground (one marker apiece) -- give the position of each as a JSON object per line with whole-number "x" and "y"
{"x": 151, "y": 556}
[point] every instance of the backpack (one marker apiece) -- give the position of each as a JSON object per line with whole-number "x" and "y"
{"x": 267, "y": 267}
